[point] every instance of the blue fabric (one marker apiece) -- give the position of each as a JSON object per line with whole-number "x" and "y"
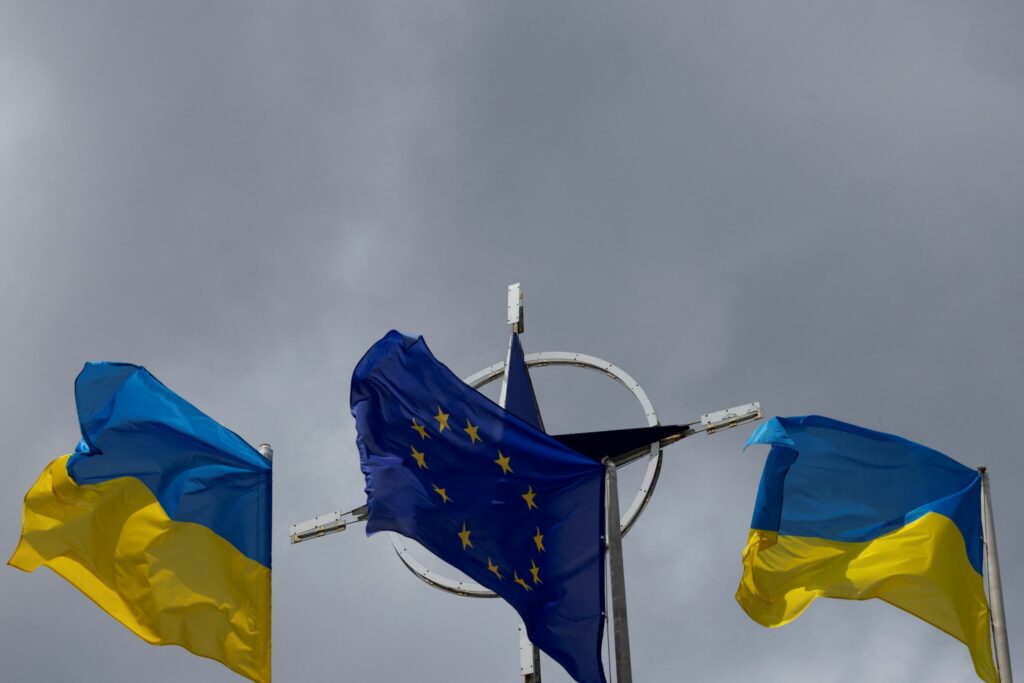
{"x": 134, "y": 426}
{"x": 520, "y": 399}
{"x": 399, "y": 381}
{"x": 829, "y": 479}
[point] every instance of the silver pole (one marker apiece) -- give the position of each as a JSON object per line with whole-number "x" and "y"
{"x": 529, "y": 655}
{"x": 529, "y": 658}
{"x": 995, "y": 584}
{"x": 620, "y": 621}
{"x": 267, "y": 452}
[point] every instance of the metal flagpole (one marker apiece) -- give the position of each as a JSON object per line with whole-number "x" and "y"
{"x": 267, "y": 452}
{"x": 995, "y": 584}
{"x": 620, "y": 621}
{"x": 529, "y": 655}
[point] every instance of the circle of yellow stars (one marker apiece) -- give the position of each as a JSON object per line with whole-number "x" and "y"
{"x": 504, "y": 462}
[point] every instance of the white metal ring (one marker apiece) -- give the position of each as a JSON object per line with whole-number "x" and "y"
{"x": 545, "y": 358}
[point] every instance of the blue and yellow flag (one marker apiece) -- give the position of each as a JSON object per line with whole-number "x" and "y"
{"x": 162, "y": 517}
{"x": 486, "y": 492}
{"x": 846, "y": 512}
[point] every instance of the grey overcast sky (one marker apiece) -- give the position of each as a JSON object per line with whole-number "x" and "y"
{"x": 815, "y": 205}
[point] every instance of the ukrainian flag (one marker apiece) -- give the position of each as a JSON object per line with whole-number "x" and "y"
{"x": 846, "y": 512}
{"x": 161, "y": 516}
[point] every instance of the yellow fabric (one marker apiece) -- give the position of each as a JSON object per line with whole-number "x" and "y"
{"x": 921, "y": 568}
{"x": 170, "y": 582}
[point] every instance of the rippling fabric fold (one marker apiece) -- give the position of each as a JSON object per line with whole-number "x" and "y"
{"x": 197, "y": 576}
{"x": 845, "y": 512}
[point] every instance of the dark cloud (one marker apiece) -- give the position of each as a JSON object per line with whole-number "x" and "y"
{"x": 813, "y": 206}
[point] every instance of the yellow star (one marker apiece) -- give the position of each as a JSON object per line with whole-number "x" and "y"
{"x": 440, "y": 492}
{"x": 464, "y": 537}
{"x": 535, "y": 570}
{"x": 528, "y": 497}
{"x": 503, "y": 463}
{"x": 493, "y": 568}
{"x": 471, "y": 429}
{"x": 420, "y": 458}
{"x": 516, "y": 579}
{"x": 420, "y": 429}
{"x": 442, "y": 420}
{"x": 539, "y": 540}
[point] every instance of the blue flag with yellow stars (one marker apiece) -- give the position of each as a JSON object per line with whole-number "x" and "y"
{"x": 496, "y": 498}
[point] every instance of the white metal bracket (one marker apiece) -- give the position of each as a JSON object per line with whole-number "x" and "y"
{"x": 331, "y": 523}
{"x": 515, "y": 308}
{"x": 730, "y": 417}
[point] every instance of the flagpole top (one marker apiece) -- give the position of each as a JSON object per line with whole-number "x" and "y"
{"x": 515, "y": 308}
{"x": 266, "y": 451}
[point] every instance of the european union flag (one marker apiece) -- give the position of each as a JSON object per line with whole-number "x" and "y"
{"x": 486, "y": 492}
